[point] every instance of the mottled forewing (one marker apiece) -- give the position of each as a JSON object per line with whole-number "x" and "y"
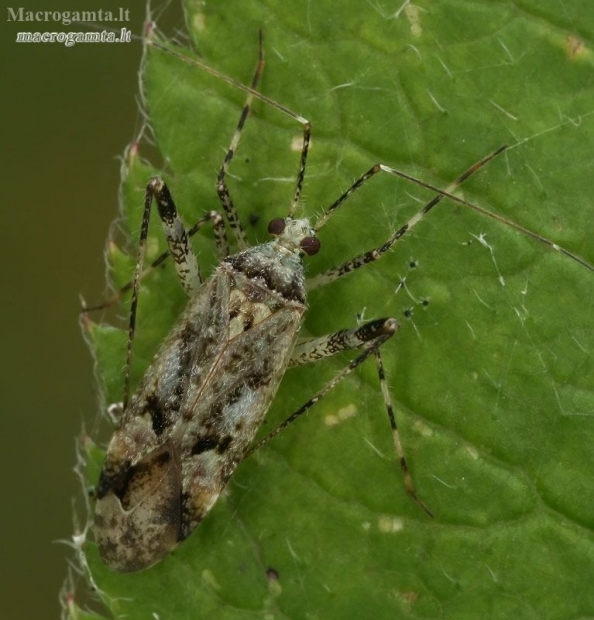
{"x": 138, "y": 508}
{"x": 228, "y": 409}
{"x": 192, "y": 418}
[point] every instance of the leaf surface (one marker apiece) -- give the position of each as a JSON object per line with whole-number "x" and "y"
{"x": 492, "y": 370}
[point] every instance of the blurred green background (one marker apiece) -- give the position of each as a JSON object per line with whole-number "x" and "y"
{"x": 67, "y": 114}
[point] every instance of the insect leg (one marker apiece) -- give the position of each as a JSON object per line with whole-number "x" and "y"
{"x": 408, "y": 483}
{"x": 375, "y": 332}
{"x": 366, "y": 335}
{"x": 376, "y": 253}
{"x": 220, "y": 237}
{"x": 180, "y": 249}
{"x": 178, "y": 240}
{"x": 314, "y": 349}
{"x": 254, "y": 93}
{"x": 370, "y": 337}
{"x": 222, "y": 189}
{"x": 384, "y": 329}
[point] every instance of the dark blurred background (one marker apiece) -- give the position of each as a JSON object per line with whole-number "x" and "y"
{"x": 67, "y": 114}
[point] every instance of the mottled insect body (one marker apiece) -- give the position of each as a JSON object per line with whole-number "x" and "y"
{"x": 201, "y": 402}
{"x": 195, "y": 414}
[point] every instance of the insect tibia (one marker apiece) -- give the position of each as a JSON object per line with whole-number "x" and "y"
{"x": 408, "y": 481}
{"x": 221, "y": 184}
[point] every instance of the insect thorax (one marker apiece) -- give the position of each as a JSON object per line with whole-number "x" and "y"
{"x": 272, "y": 270}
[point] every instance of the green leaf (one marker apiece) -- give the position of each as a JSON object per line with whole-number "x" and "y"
{"x": 491, "y": 379}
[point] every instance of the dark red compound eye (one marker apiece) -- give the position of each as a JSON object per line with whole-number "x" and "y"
{"x": 310, "y": 245}
{"x": 276, "y": 226}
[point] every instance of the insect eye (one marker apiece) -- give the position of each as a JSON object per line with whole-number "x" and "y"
{"x": 276, "y": 226}
{"x": 310, "y": 245}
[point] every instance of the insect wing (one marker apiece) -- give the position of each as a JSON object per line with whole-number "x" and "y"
{"x": 192, "y": 418}
{"x": 138, "y": 522}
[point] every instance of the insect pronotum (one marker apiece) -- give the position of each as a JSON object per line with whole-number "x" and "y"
{"x": 195, "y": 414}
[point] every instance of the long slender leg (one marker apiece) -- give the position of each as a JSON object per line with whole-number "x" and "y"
{"x": 254, "y": 93}
{"x": 376, "y": 253}
{"x": 179, "y": 248}
{"x": 314, "y": 349}
{"x": 408, "y": 483}
{"x": 220, "y": 237}
{"x": 370, "y": 336}
{"x": 386, "y": 331}
{"x": 178, "y": 241}
{"x": 222, "y": 189}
